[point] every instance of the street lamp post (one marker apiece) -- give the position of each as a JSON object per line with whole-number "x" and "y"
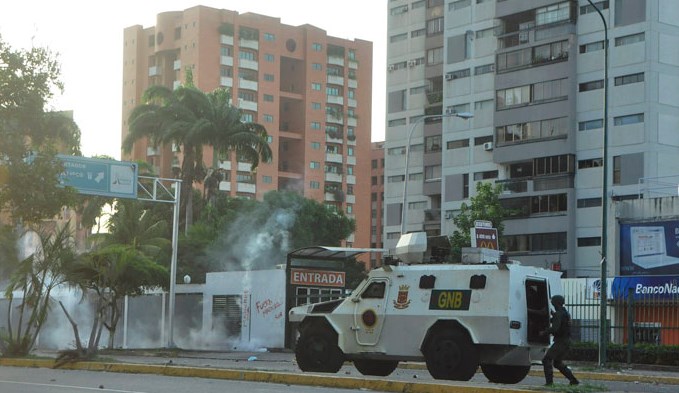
{"x": 404, "y": 207}
{"x": 603, "y": 336}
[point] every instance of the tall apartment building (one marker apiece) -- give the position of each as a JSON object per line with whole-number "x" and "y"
{"x": 311, "y": 91}
{"x": 376, "y": 200}
{"x": 532, "y": 74}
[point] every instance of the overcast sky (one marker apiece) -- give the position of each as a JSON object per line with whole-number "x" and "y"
{"x": 88, "y": 36}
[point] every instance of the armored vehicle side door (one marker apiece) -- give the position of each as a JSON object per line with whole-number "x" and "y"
{"x": 537, "y": 306}
{"x": 369, "y": 311}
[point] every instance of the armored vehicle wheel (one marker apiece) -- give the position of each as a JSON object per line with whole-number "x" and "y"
{"x": 504, "y": 374}
{"x": 379, "y": 368}
{"x": 450, "y": 354}
{"x": 317, "y": 350}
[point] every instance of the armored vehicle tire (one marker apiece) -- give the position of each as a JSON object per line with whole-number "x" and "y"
{"x": 504, "y": 374}
{"x": 317, "y": 350}
{"x": 379, "y": 368}
{"x": 450, "y": 354}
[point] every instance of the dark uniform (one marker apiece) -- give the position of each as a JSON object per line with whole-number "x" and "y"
{"x": 561, "y": 330}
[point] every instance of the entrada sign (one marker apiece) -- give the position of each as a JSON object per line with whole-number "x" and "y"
{"x": 319, "y": 278}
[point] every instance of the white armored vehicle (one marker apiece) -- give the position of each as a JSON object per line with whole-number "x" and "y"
{"x": 454, "y": 317}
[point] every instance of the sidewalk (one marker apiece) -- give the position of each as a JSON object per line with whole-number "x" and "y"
{"x": 280, "y": 367}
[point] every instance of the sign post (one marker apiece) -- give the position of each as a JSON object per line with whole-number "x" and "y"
{"x": 93, "y": 176}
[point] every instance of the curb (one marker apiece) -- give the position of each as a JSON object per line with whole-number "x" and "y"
{"x": 265, "y": 376}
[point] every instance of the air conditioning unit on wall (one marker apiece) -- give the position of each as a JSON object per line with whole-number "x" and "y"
{"x": 488, "y": 146}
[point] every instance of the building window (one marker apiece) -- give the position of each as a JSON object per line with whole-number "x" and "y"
{"x": 269, "y": 57}
{"x": 350, "y": 209}
{"x": 432, "y": 172}
{"x": 398, "y": 37}
{"x": 373, "y": 164}
{"x": 588, "y": 9}
{"x": 589, "y": 86}
{"x": 536, "y": 242}
{"x": 268, "y": 77}
{"x": 315, "y": 145}
{"x": 316, "y": 105}
{"x": 590, "y": 163}
{"x": 316, "y": 67}
{"x": 396, "y": 151}
{"x": 435, "y": 56}
{"x": 315, "y": 125}
{"x": 373, "y": 180}
{"x": 402, "y": 9}
{"x": 226, "y": 51}
{"x": 435, "y": 26}
{"x": 484, "y": 69}
{"x": 418, "y": 90}
{"x": 316, "y": 47}
{"x": 485, "y": 175}
{"x": 350, "y": 151}
{"x": 627, "y": 79}
{"x": 267, "y": 179}
{"x": 245, "y": 177}
{"x": 395, "y": 179}
{"x": 246, "y": 118}
{"x": 549, "y": 204}
{"x": 333, "y": 91}
{"x": 589, "y": 241}
{"x": 458, "y": 74}
{"x": 247, "y": 55}
{"x": 535, "y": 130}
{"x": 419, "y": 176}
{"x": 629, "y": 39}
{"x": 397, "y": 122}
{"x": 628, "y": 119}
{"x": 268, "y": 97}
{"x": 553, "y": 13}
{"x": 553, "y": 165}
{"x": 590, "y": 125}
{"x": 267, "y": 118}
{"x": 419, "y": 205}
{"x": 314, "y": 165}
{"x": 588, "y": 202}
{"x": 269, "y": 37}
{"x": 418, "y": 33}
{"x": 316, "y": 86}
{"x": 459, "y": 4}
{"x": 592, "y": 47}
{"x": 432, "y": 144}
{"x": 460, "y": 143}
{"x": 485, "y": 33}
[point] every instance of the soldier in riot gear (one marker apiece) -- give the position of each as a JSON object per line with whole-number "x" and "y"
{"x": 561, "y": 330}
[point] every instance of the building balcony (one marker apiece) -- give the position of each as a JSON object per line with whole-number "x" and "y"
{"x": 352, "y": 83}
{"x": 250, "y": 44}
{"x": 244, "y": 167}
{"x": 224, "y": 186}
{"x": 247, "y": 84}
{"x": 353, "y": 64}
{"x": 176, "y": 84}
{"x": 226, "y": 60}
{"x": 154, "y": 71}
{"x": 335, "y": 80}
{"x": 333, "y": 177}
{"x": 152, "y": 151}
{"x": 352, "y": 103}
{"x": 351, "y": 199}
{"x": 247, "y": 105}
{"x": 246, "y": 187}
{"x": 351, "y": 179}
{"x": 224, "y": 164}
{"x": 226, "y": 81}
{"x": 249, "y": 64}
{"x": 335, "y": 137}
{"x": 339, "y": 100}
{"x": 432, "y": 215}
{"x": 334, "y": 118}
{"x": 351, "y": 160}
{"x": 351, "y": 140}
{"x": 333, "y": 157}
{"x": 334, "y": 196}
{"x": 336, "y": 60}
{"x": 177, "y": 65}
{"x": 226, "y": 39}
{"x": 351, "y": 121}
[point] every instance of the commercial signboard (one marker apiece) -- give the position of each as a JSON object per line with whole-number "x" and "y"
{"x": 650, "y": 248}
{"x": 100, "y": 177}
{"x": 645, "y": 287}
{"x": 318, "y": 278}
{"x": 483, "y": 235}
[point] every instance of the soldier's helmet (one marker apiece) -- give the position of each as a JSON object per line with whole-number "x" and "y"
{"x": 558, "y": 299}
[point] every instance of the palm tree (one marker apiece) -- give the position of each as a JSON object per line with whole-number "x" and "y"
{"x": 192, "y": 119}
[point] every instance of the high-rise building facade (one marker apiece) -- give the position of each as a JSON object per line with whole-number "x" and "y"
{"x": 532, "y": 74}
{"x": 312, "y": 92}
{"x": 376, "y": 200}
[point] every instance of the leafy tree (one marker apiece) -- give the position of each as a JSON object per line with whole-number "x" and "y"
{"x": 35, "y": 277}
{"x": 485, "y": 205}
{"x": 192, "y": 119}
{"x": 31, "y": 136}
{"x": 112, "y": 273}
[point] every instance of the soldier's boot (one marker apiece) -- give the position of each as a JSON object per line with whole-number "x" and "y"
{"x": 569, "y": 375}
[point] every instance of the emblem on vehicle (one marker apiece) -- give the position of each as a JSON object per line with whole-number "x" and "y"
{"x": 402, "y": 300}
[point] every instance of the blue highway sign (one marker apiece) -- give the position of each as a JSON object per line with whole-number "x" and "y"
{"x": 100, "y": 177}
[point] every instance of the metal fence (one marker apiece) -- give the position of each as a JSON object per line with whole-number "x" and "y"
{"x": 632, "y": 319}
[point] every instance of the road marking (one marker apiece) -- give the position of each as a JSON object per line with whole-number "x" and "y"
{"x": 71, "y": 387}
